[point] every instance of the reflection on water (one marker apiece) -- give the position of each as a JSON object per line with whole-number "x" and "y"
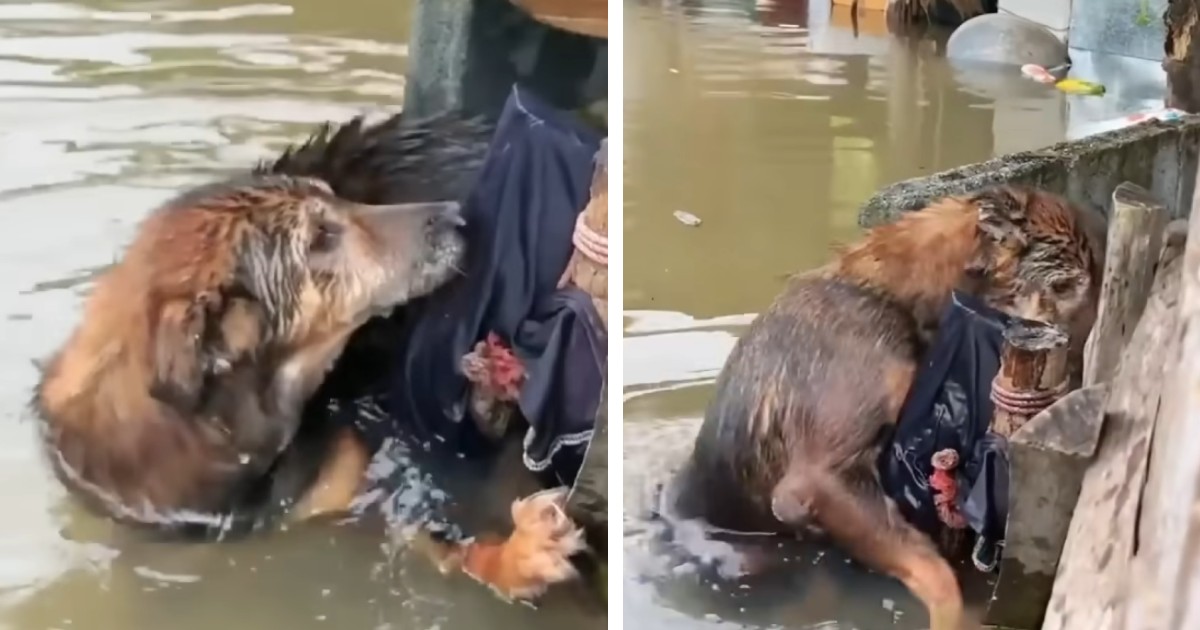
{"x": 772, "y": 121}
{"x": 107, "y": 107}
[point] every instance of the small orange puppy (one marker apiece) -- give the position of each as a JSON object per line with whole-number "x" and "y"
{"x": 522, "y": 567}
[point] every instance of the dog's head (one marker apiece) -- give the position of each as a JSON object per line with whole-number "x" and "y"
{"x": 1038, "y": 257}
{"x": 278, "y": 270}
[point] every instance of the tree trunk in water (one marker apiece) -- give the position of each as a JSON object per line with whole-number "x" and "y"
{"x": 1180, "y": 62}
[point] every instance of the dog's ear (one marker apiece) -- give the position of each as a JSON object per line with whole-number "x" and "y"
{"x": 179, "y": 362}
{"x": 198, "y": 338}
{"x": 240, "y": 334}
{"x": 1002, "y": 218}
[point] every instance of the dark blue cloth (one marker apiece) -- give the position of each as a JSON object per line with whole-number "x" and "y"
{"x": 949, "y": 406}
{"x": 520, "y": 216}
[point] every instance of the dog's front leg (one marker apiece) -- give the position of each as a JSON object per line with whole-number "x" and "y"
{"x": 858, "y": 517}
{"x": 339, "y": 480}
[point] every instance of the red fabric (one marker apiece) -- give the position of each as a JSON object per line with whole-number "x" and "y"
{"x": 494, "y": 368}
{"x": 946, "y": 488}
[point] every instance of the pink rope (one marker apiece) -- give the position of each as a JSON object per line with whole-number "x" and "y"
{"x": 592, "y": 245}
{"x": 1025, "y": 403}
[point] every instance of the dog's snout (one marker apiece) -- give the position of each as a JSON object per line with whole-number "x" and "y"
{"x": 449, "y": 214}
{"x": 397, "y": 223}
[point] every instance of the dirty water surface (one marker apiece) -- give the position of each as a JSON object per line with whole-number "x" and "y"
{"x": 753, "y": 133}
{"x": 107, "y": 108}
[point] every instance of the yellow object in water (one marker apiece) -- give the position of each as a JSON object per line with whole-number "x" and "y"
{"x": 1079, "y": 86}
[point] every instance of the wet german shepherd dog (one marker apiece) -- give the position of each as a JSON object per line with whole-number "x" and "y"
{"x": 810, "y": 393}
{"x": 178, "y": 404}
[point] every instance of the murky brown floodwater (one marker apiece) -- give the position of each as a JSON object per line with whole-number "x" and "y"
{"x": 772, "y": 123}
{"x": 108, "y": 107}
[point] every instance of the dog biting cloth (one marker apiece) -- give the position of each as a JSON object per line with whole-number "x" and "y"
{"x": 943, "y": 467}
{"x": 521, "y": 217}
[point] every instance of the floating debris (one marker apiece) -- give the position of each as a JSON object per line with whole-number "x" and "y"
{"x": 687, "y": 218}
{"x": 1037, "y": 73}
{"x": 889, "y": 605}
{"x": 1079, "y": 86}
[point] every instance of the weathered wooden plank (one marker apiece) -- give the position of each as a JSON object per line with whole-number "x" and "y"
{"x": 1134, "y": 240}
{"x": 1181, "y": 61}
{"x": 1165, "y": 590}
{"x": 1092, "y": 578}
{"x": 588, "y": 501}
{"x": 585, "y": 17}
{"x": 1049, "y": 456}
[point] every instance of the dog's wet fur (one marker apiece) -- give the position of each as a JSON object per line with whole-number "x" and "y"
{"x": 192, "y": 399}
{"x": 812, "y": 391}
{"x": 178, "y": 402}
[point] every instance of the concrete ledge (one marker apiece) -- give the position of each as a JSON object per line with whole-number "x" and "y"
{"x": 1159, "y": 156}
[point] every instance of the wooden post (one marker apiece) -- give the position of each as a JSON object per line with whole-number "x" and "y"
{"x": 582, "y": 271}
{"x": 1135, "y": 236}
{"x": 1033, "y": 374}
{"x": 588, "y": 502}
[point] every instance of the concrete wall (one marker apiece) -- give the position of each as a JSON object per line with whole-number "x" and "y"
{"x": 1161, "y": 157}
{"x": 1053, "y": 14}
{"x": 1118, "y": 27}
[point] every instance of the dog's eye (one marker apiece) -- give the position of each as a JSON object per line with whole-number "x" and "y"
{"x": 1061, "y": 287}
{"x": 325, "y": 237}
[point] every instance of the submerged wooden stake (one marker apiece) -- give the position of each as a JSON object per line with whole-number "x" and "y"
{"x": 588, "y": 501}
{"x": 582, "y": 271}
{"x": 1135, "y": 236}
{"x": 1033, "y": 374}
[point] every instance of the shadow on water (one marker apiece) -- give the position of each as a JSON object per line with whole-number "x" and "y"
{"x": 772, "y": 122}
{"x": 107, "y": 108}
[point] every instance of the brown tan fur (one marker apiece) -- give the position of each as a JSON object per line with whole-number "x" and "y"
{"x": 534, "y": 557}
{"x": 177, "y": 401}
{"x": 810, "y": 393}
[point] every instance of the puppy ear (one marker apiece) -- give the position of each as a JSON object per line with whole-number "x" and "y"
{"x": 518, "y": 512}
{"x": 179, "y": 364}
{"x": 543, "y": 508}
